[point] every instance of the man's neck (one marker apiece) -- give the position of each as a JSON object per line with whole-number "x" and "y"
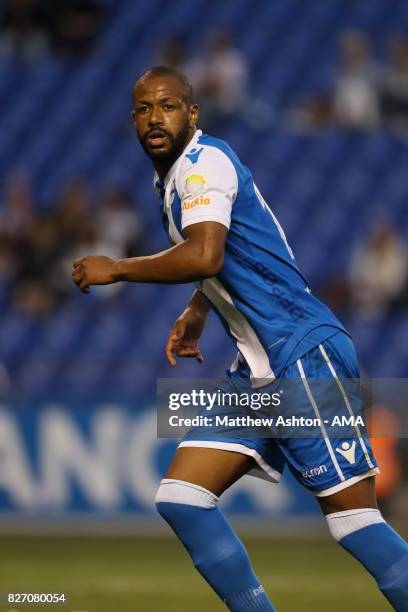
{"x": 162, "y": 167}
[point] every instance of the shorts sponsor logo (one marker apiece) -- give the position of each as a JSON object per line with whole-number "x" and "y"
{"x": 199, "y": 201}
{"x": 315, "y": 471}
{"x": 195, "y": 184}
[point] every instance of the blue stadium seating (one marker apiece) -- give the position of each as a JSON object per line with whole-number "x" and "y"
{"x": 62, "y": 118}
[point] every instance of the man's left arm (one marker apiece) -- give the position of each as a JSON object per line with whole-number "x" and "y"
{"x": 200, "y": 256}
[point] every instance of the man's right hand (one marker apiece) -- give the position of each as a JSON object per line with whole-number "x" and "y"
{"x": 184, "y": 335}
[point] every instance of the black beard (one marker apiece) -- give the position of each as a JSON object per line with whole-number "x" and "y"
{"x": 178, "y": 144}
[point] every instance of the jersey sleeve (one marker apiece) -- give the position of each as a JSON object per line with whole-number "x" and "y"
{"x": 207, "y": 189}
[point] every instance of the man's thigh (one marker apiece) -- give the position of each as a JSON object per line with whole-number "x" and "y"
{"x": 213, "y": 469}
{"x": 360, "y": 495}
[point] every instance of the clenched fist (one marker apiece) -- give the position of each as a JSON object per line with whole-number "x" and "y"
{"x": 93, "y": 270}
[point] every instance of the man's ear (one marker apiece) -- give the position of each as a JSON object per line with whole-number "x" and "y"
{"x": 133, "y": 114}
{"x": 194, "y": 115}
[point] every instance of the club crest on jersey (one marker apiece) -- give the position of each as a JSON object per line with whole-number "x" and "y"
{"x": 195, "y": 184}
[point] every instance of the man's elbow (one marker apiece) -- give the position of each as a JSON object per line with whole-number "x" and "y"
{"x": 210, "y": 264}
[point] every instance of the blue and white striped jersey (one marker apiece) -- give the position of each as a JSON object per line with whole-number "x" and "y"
{"x": 260, "y": 295}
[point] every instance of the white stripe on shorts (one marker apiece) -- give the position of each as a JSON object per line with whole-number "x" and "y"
{"x": 349, "y": 408}
{"x": 317, "y": 413}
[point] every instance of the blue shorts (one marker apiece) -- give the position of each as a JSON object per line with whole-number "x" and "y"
{"x": 325, "y": 463}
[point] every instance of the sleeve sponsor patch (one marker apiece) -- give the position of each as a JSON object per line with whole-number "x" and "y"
{"x": 195, "y": 184}
{"x": 197, "y": 201}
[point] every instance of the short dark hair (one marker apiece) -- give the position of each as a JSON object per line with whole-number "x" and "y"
{"x": 168, "y": 70}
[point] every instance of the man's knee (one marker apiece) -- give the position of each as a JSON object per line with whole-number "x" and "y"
{"x": 342, "y": 524}
{"x": 173, "y": 495}
{"x": 192, "y": 513}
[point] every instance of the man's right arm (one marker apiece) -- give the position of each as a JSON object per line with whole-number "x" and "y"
{"x": 185, "y": 333}
{"x": 199, "y": 303}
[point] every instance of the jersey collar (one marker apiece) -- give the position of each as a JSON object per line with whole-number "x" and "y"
{"x": 158, "y": 185}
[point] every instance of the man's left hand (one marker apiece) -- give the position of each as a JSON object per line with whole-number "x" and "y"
{"x": 93, "y": 270}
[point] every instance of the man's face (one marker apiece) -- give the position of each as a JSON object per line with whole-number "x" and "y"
{"x": 164, "y": 120}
